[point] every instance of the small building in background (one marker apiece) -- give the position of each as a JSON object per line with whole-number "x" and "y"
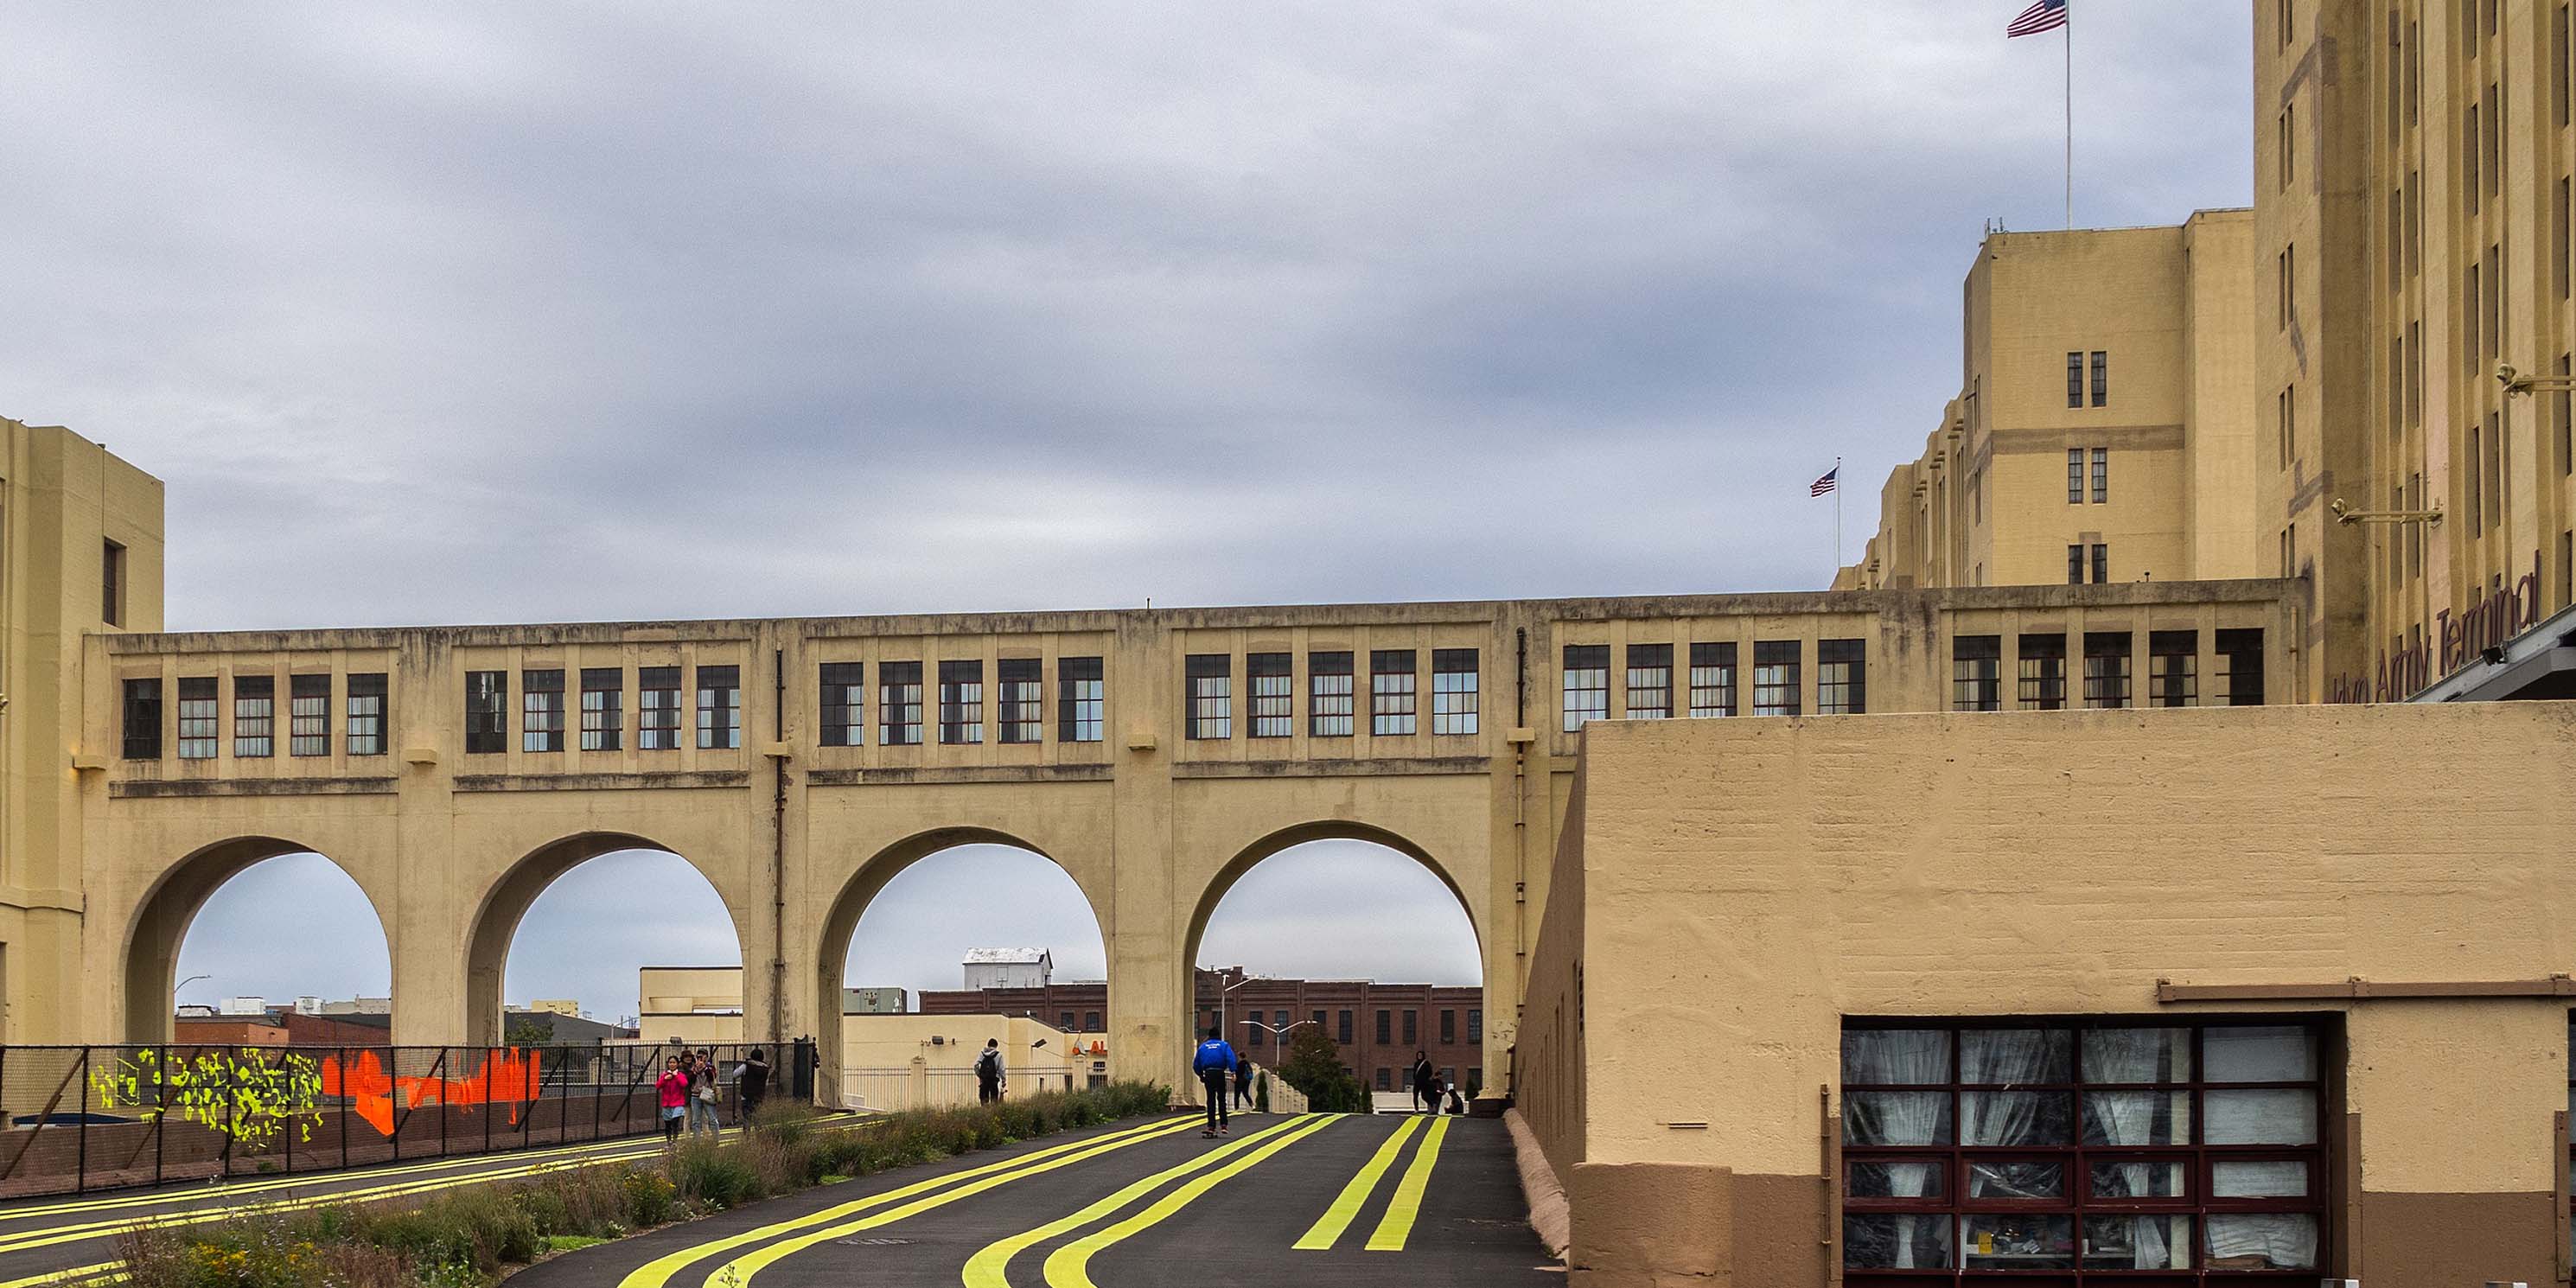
{"x": 874, "y": 1001}
{"x": 1009, "y": 968}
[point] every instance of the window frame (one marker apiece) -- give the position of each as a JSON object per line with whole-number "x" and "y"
{"x": 603, "y": 722}
{"x": 719, "y": 706}
{"x": 1713, "y": 671}
{"x": 1649, "y": 681}
{"x": 1208, "y": 696}
{"x": 1082, "y": 700}
{"x": 1848, "y": 687}
{"x": 367, "y": 709}
{"x": 1332, "y": 693}
{"x": 541, "y": 710}
{"x": 1976, "y": 673}
{"x": 308, "y": 714}
{"x": 657, "y": 708}
{"x": 1395, "y": 682}
{"x": 899, "y": 704}
{"x": 1457, "y": 681}
{"x": 1779, "y": 669}
{"x": 139, "y": 711}
{"x": 1019, "y": 700}
{"x": 1270, "y": 684}
{"x": 1585, "y": 674}
{"x": 200, "y": 726}
{"x": 961, "y": 701}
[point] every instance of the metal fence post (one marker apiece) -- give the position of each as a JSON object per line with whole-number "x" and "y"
{"x": 442, "y": 1102}
{"x": 160, "y": 1109}
{"x": 346, "y": 1100}
{"x": 80, "y": 1169}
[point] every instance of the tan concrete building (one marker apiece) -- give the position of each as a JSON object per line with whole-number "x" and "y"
{"x": 2412, "y": 167}
{"x": 2173, "y": 997}
{"x": 82, "y": 534}
{"x": 799, "y": 764}
{"x": 2104, "y": 426}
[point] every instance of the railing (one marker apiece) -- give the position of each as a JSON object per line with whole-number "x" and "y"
{"x": 920, "y": 1086}
{"x": 108, "y": 1117}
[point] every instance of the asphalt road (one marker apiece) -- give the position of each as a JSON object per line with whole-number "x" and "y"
{"x": 1329, "y": 1199}
{"x": 43, "y": 1240}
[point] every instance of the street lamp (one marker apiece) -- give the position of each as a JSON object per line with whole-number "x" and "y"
{"x": 174, "y": 990}
{"x": 1221, "y": 992}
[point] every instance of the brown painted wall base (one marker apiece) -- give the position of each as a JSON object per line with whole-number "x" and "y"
{"x": 2437, "y": 1240}
{"x": 1654, "y": 1225}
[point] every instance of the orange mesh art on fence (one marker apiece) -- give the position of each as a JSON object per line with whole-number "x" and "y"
{"x": 509, "y": 1077}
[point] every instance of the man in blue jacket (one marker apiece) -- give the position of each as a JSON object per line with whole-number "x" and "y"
{"x": 1215, "y": 1059}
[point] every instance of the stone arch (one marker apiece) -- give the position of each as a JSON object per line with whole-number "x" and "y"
{"x": 1214, "y": 890}
{"x": 161, "y": 920}
{"x": 1268, "y": 846}
{"x": 506, "y": 902}
{"x": 841, "y": 922}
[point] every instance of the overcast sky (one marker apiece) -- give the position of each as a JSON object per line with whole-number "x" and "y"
{"x": 500, "y": 312}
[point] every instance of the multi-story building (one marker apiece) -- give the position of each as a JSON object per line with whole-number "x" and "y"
{"x": 2412, "y": 172}
{"x": 2104, "y": 426}
{"x": 83, "y": 534}
{"x": 1377, "y": 1026}
{"x": 2403, "y": 360}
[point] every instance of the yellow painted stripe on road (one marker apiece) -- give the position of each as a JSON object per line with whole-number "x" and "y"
{"x": 233, "y": 1188}
{"x": 49, "y": 1236}
{"x": 990, "y": 1268}
{"x": 738, "y": 1272}
{"x": 1397, "y": 1225}
{"x": 658, "y": 1272}
{"x": 1070, "y": 1267}
{"x": 105, "y": 1272}
{"x": 1346, "y": 1206}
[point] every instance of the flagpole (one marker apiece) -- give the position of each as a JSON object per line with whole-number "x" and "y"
{"x": 2070, "y": 115}
{"x": 1838, "y": 515}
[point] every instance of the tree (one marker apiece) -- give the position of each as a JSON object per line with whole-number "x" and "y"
{"x": 523, "y": 1031}
{"x": 1313, "y": 1066}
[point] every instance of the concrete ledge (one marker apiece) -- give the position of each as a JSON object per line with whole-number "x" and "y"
{"x": 703, "y": 778}
{"x": 1391, "y": 766}
{"x": 144, "y": 788}
{"x": 1548, "y": 1214}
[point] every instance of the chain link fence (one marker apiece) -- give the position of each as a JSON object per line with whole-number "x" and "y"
{"x": 84, "y": 1118}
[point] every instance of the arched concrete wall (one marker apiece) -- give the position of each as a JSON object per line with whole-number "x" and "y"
{"x": 506, "y": 902}
{"x": 157, "y": 927}
{"x": 859, "y": 889}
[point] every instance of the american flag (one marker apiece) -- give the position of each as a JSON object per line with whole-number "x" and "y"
{"x": 2047, "y": 15}
{"x": 1826, "y": 484}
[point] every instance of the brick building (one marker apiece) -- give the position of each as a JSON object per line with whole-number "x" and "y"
{"x": 1377, "y": 1026}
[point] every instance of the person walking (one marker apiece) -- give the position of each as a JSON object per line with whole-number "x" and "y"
{"x": 754, "y": 1077}
{"x": 1214, "y": 1060}
{"x": 1425, "y": 1095}
{"x": 673, "y": 1087}
{"x": 702, "y": 1094}
{"x": 988, "y": 1072}
{"x": 1242, "y": 1081}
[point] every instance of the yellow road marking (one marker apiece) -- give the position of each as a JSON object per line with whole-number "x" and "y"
{"x": 738, "y": 1272}
{"x": 1346, "y": 1207}
{"x": 49, "y": 1236}
{"x": 990, "y": 1268}
{"x": 231, "y": 1188}
{"x": 1397, "y": 1225}
{"x": 659, "y": 1271}
{"x": 99, "y": 1273}
{"x": 1070, "y": 1267}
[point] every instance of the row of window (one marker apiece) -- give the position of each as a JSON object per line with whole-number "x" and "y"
{"x": 547, "y": 723}
{"x": 254, "y": 722}
{"x": 2111, "y": 1146}
{"x": 1018, "y": 701}
{"x": 1842, "y": 680}
{"x": 1395, "y": 695}
{"x": 2173, "y": 665}
{"x": 2076, "y": 564}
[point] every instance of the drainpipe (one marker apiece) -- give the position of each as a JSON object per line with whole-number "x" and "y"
{"x": 778, "y": 854}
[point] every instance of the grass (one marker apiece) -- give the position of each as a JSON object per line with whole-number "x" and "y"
{"x": 470, "y": 1237}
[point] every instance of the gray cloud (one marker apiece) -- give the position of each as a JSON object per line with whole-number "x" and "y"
{"x": 494, "y": 313}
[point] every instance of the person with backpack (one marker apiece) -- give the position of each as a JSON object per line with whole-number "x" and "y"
{"x": 703, "y": 1090}
{"x": 988, "y": 1072}
{"x": 1213, "y": 1061}
{"x": 1242, "y": 1081}
{"x": 753, "y": 1077}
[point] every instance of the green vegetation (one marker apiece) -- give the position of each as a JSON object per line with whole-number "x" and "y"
{"x": 468, "y": 1236}
{"x": 1314, "y": 1066}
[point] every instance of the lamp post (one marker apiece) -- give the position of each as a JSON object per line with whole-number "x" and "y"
{"x": 1221, "y": 992}
{"x": 174, "y": 990}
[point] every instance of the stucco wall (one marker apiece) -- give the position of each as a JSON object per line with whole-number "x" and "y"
{"x": 1748, "y": 884}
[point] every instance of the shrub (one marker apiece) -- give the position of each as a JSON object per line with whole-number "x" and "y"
{"x": 465, "y": 1237}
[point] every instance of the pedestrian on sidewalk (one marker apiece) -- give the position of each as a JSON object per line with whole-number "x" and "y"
{"x": 754, "y": 1077}
{"x": 1242, "y": 1081}
{"x": 673, "y": 1087}
{"x": 1214, "y": 1060}
{"x": 1425, "y": 1091}
{"x": 702, "y": 1094}
{"x": 988, "y": 1072}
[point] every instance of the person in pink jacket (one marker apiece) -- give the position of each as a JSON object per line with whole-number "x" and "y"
{"x": 674, "y": 1086}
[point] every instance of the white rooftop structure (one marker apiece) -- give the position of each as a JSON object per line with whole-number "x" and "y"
{"x": 1009, "y": 967}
